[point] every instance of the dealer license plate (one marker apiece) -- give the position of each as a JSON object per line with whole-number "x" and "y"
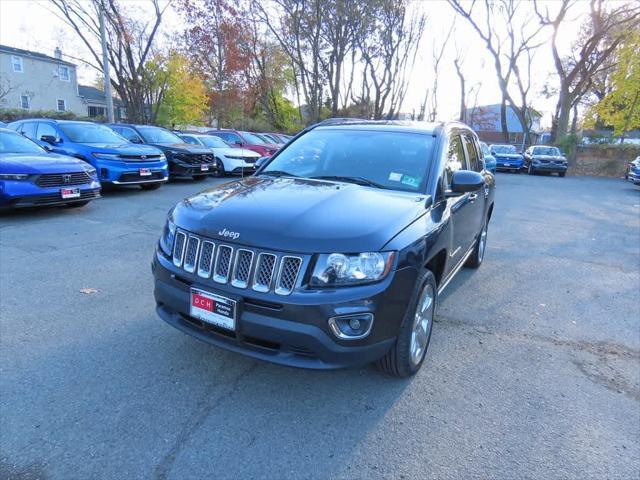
{"x": 70, "y": 193}
{"x": 145, "y": 172}
{"x": 204, "y": 168}
{"x": 213, "y": 309}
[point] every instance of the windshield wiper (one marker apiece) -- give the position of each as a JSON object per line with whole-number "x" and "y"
{"x": 357, "y": 180}
{"x": 278, "y": 173}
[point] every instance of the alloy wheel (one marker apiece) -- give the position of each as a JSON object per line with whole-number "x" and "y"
{"x": 422, "y": 324}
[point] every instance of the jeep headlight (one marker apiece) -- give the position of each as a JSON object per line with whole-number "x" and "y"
{"x": 336, "y": 269}
{"x": 167, "y": 237}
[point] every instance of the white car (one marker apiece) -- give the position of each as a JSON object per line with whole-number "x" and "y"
{"x": 234, "y": 160}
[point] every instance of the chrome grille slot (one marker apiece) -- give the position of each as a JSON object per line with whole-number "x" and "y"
{"x": 287, "y": 275}
{"x": 63, "y": 179}
{"x": 206, "y": 259}
{"x": 191, "y": 254}
{"x": 264, "y": 272}
{"x": 242, "y": 268}
{"x": 223, "y": 264}
{"x": 178, "y": 248}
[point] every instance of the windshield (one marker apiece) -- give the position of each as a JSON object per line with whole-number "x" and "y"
{"x": 213, "y": 142}
{"x": 391, "y": 160}
{"x": 251, "y": 138}
{"x": 91, "y": 133}
{"x": 16, "y": 143}
{"x": 503, "y": 149}
{"x": 553, "y": 151}
{"x": 158, "y": 135}
{"x": 484, "y": 148}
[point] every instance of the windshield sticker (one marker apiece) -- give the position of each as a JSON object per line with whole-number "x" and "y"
{"x": 395, "y": 177}
{"x": 411, "y": 181}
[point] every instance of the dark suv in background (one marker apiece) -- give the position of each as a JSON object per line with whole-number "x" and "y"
{"x": 545, "y": 159}
{"x": 335, "y": 252}
{"x": 185, "y": 160}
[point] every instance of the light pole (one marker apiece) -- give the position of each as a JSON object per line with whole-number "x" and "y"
{"x": 105, "y": 66}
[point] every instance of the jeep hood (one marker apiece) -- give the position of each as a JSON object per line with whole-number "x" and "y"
{"x": 300, "y": 215}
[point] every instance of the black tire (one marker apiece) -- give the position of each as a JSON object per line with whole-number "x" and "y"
{"x": 476, "y": 258}
{"x": 398, "y": 360}
{"x": 199, "y": 178}
{"x": 150, "y": 186}
{"x": 77, "y": 204}
{"x": 562, "y": 174}
{"x": 218, "y": 170}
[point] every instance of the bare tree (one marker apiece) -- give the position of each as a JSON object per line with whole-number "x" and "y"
{"x": 507, "y": 50}
{"x": 598, "y": 41}
{"x": 388, "y": 47}
{"x": 5, "y": 88}
{"x": 129, "y": 45}
{"x": 437, "y": 54}
{"x": 466, "y": 91}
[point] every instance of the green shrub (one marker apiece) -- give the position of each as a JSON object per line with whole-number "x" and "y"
{"x": 12, "y": 114}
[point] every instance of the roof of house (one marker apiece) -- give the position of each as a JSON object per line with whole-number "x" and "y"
{"x": 487, "y": 118}
{"x": 36, "y": 55}
{"x": 97, "y": 95}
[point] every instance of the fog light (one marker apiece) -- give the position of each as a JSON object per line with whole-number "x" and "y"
{"x": 351, "y": 327}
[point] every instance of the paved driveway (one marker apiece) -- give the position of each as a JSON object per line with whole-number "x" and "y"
{"x": 533, "y": 371}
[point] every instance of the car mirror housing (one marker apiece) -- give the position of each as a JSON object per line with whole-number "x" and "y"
{"x": 464, "y": 181}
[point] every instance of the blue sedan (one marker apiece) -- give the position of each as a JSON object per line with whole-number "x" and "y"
{"x": 30, "y": 177}
{"x": 507, "y": 158}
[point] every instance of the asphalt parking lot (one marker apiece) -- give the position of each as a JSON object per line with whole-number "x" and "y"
{"x": 533, "y": 369}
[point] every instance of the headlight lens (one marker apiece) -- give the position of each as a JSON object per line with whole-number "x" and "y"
{"x": 91, "y": 171}
{"x": 167, "y": 237}
{"x": 106, "y": 156}
{"x": 14, "y": 176}
{"x": 351, "y": 269}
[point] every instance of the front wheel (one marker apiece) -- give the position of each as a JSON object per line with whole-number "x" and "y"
{"x": 530, "y": 170}
{"x": 407, "y": 354}
{"x": 475, "y": 260}
{"x": 218, "y": 169}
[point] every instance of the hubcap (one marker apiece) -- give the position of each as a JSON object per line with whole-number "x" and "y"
{"x": 483, "y": 242}
{"x": 422, "y": 324}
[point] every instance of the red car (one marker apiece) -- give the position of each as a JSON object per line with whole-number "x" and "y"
{"x": 239, "y": 139}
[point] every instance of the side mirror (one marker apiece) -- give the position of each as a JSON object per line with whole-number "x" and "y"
{"x": 135, "y": 140}
{"x": 238, "y": 142}
{"x": 464, "y": 181}
{"x": 49, "y": 139}
{"x": 261, "y": 161}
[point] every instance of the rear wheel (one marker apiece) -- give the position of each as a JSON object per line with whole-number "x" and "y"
{"x": 150, "y": 186}
{"x": 407, "y": 354}
{"x": 475, "y": 260}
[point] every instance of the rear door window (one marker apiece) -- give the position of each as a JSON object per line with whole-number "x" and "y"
{"x": 46, "y": 129}
{"x": 473, "y": 157}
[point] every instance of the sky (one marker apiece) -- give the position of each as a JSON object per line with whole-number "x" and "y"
{"x": 30, "y": 24}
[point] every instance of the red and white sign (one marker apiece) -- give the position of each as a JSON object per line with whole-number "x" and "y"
{"x": 213, "y": 309}
{"x": 145, "y": 172}
{"x": 67, "y": 193}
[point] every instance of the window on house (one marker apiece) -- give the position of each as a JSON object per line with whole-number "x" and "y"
{"x": 62, "y": 106}
{"x": 24, "y": 102}
{"x": 16, "y": 62}
{"x": 97, "y": 111}
{"x": 63, "y": 73}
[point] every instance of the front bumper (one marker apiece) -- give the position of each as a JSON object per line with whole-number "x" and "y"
{"x": 633, "y": 177}
{"x": 180, "y": 168}
{"x": 549, "y": 167}
{"x": 289, "y": 330}
{"x": 128, "y": 173}
{"x": 18, "y": 194}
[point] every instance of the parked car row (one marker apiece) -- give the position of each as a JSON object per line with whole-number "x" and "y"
{"x": 536, "y": 159}
{"x": 115, "y": 154}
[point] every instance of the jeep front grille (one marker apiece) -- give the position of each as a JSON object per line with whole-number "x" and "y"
{"x": 241, "y": 267}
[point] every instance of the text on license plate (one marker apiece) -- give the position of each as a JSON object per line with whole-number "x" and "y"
{"x": 70, "y": 193}
{"x": 213, "y": 309}
{"x": 204, "y": 168}
{"x": 145, "y": 172}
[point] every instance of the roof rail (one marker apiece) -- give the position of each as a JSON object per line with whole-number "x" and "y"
{"x": 341, "y": 121}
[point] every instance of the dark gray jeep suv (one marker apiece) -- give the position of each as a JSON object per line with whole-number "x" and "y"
{"x": 333, "y": 254}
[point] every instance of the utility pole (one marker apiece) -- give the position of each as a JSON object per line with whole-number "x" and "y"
{"x": 105, "y": 66}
